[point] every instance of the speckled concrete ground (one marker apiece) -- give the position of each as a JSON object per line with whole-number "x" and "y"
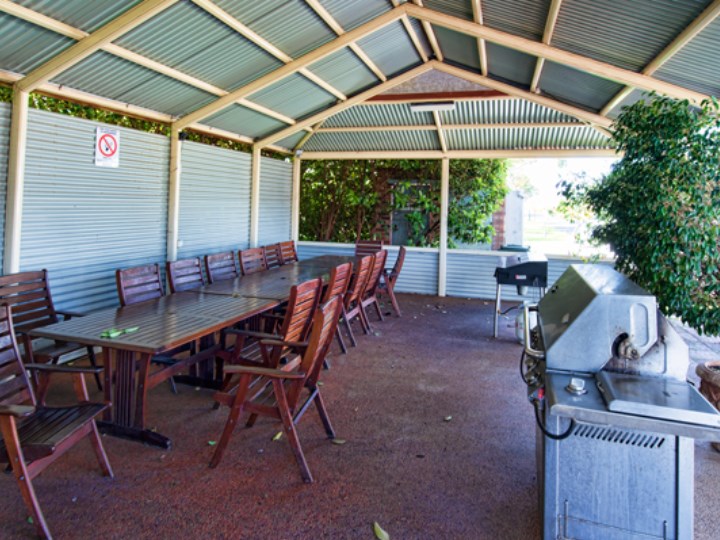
{"x": 403, "y": 465}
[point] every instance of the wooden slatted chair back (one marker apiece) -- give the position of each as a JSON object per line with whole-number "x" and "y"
{"x": 397, "y": 267}
{"x": 367, "y": 247}
{"x": 273, "y": 258}
{"x": 252, "y": 260}
{"x": 184, "y": 275}
{"x": 221, "y": 266}
{"x": 15, "y": 388}
{"x": 28, "y": 294}
{"x": 303, "y": 300}
{"x": 138, "y": 284}
{"x": 359, "y": 280}
{"x": 338, "y": 281}
{"x": 288, "y": 253}
{"x": 375, "y": 273}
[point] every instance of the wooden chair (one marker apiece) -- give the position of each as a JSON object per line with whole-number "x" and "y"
{"x": 288, "y": 253}
{"x": 28, "y": 293}
{"x": 367, "y": 247}
{"x": 184, "y": 275}
{"x": 273, "y": 257}
{"x": 351, "y": 306}
{"x": 34, "y": 435}
{"x": 276, "y": 392}
{"x": 252, "y": 260}
{"x": 337, "y": 285}
{"x": 138, "y": 284}
{"x": 389, "y": 277}
{"x": 220, "y": 266}
{"x": 369, "y": 294}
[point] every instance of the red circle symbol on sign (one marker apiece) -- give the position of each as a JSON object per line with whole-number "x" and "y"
{"x": 107, "y": 145}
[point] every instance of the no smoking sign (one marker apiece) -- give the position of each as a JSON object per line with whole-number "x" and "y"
{"x": 107, "y": 147}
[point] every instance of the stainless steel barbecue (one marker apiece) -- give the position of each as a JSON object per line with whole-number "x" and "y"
{"x": 616, "y": 417}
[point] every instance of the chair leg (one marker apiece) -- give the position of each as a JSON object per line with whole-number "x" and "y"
{"x": 235, "y": 412}
{"x": 173, "y": 386}
{"x": 340, "y": 340}
{"x": 346, "y": 320}
{"x": 377, "y": 308}
{"x": 322, "y": 411}
{"x": 364, "y": 321}
{"x": 290, "y": 430}
{"x": 93, "y": 363}
{"x": 251, "y": 420}
{"x": 100, "y": 451}
{"x": 393, "y": 300}
{"x": 22, "y": 476}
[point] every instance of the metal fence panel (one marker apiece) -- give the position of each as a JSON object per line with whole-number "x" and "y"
{"x": 81, "y": 222}
{"x": 275, "y": 201}
{"x": 214, "y": 200}
{"x": 5, "y": 112}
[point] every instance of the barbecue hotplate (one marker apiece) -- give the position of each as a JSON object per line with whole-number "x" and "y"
{"x": 656, "y": 397}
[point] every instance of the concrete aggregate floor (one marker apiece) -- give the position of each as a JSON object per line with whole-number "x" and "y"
{"x": 440, "y": 444}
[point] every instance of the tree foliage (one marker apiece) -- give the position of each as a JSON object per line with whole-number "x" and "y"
{"x": 659, "y": 208}
{"x": 347, "y": 199}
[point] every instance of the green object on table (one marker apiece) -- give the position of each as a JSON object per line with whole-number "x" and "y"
{"x": 131, "y": 330}
{"x": 112, "y": 333}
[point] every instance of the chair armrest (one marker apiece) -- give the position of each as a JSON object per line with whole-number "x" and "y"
{"x": 69, "y": 314}
{"x": 264, "y": 372}
{"x": 17, "y": 411}
{"x": 54, "y": 368}
{"x": 281, "y": 343}
{"x": 250, "y": 333}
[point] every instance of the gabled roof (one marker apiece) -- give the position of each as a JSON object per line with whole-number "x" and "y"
{"x": 545, "y": 75}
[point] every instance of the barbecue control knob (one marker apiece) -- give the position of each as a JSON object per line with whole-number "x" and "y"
{"x": 576, "y": 386}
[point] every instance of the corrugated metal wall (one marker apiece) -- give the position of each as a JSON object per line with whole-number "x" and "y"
{"x": 81, "y": 222}
{"x": 5, "y": 112}
{"x": 214, "y": 200}
{"x": 275, "y": 201}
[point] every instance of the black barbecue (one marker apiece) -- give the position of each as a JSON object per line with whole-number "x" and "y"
{"x": 524, "y": 269}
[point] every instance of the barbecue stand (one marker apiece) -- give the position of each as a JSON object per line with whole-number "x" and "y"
{"x": 616, "y": 416}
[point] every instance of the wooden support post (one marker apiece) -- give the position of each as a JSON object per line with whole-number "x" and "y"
{"x": 173, "y": 224}
{"x": 295, "y": 207}
{"x": 255, "y": 197}
{"x": 444, "y": 196}
{"x": 15, "y": 181}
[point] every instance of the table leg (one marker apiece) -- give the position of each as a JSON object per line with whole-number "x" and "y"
{"x": 129, "y": 392}
{"x": 203, "y": 374}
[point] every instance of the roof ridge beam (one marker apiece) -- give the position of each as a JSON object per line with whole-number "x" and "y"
{"x": 553, "y": 12}
{"x": 576, "y": 61}
{"x": 288, "y": 69}
{"x": 693, "y": 29}
{"x": 390, "y": 83}
{"x": 85, "y": 47}
{"x": 324, "y": 14}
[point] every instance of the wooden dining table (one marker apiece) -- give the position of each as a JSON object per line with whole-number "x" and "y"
{"x": 149, "y": 329}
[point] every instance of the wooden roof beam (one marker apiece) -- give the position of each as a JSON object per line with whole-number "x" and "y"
{"x": 541, "y": 50}
{"x": 430, "y": 34}
{"x": 132, "y": 18}
{"x": 447, "y": 127}
{"x": 292, "y": 67}
{"x": 552, "y": 17}
{"x": 465, "y": 154}
{"x": 482, "y": 49}
{"x": 692, "y": 30}
{"x": 412, "y": 34}
{"x": 440, "y": 132}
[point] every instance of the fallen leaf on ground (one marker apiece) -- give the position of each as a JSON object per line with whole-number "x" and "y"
{"x": 338, "y": 441}
{"x": 277, "y": 436}
{"x": 447, "y": 418}
{"x": 380, "y": 533}
{"x": 212, "y": 443}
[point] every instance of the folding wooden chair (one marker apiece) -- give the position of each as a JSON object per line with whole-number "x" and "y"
{"x": 252, "y": 260}
{"x": 28, "y": 293}
{"x": 34, "y": 435}
{"x": 369, "y": 295}
{"x": 184, "y": 275}
{"x": 351, "y": 306}
{"x": 276, "y": 392}
{"x": 389, "y": 277}
{"x": 220, "y": 266}
{"x": 367, "y": 247}
{"x": 288, "y": 253}
{"x": 273, "y": 257}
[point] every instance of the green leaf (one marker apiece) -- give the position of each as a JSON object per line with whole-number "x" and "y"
{"x": 278, "y": 436}
{"x": 380, "y": 533}
{"x": 212, "y": 443}
{"x": 338, "y": 441}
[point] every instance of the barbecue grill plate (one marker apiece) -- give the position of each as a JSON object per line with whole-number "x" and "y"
{"x": 656, "y": 397}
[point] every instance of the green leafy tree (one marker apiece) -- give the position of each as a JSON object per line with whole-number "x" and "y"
{"x": 659, "y": 208}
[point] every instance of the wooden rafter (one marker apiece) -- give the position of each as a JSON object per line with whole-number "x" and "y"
{"x": 292, "y": 67}
{"x": 576, "y": 61}
{"x": 449, "y": 127}
{"x": 430, "y": 34}
{"x": 693, "y": 29}
{"x": 324, "y": 14}
{"x": 482, "y": 49}
{"x": 414, "y": 97}
{"x": 464, "y": 154}
{"x": 552, "y": 17}
{"x": 308, "y": 136}
{"x": 440, "y": 132}
{"x": 264, "y": 44}
{"x": 358, "y": 98}
{"x": 75, "y": 33}
{"x": 412, "y": 34}
{"x": 93, "y": 42}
